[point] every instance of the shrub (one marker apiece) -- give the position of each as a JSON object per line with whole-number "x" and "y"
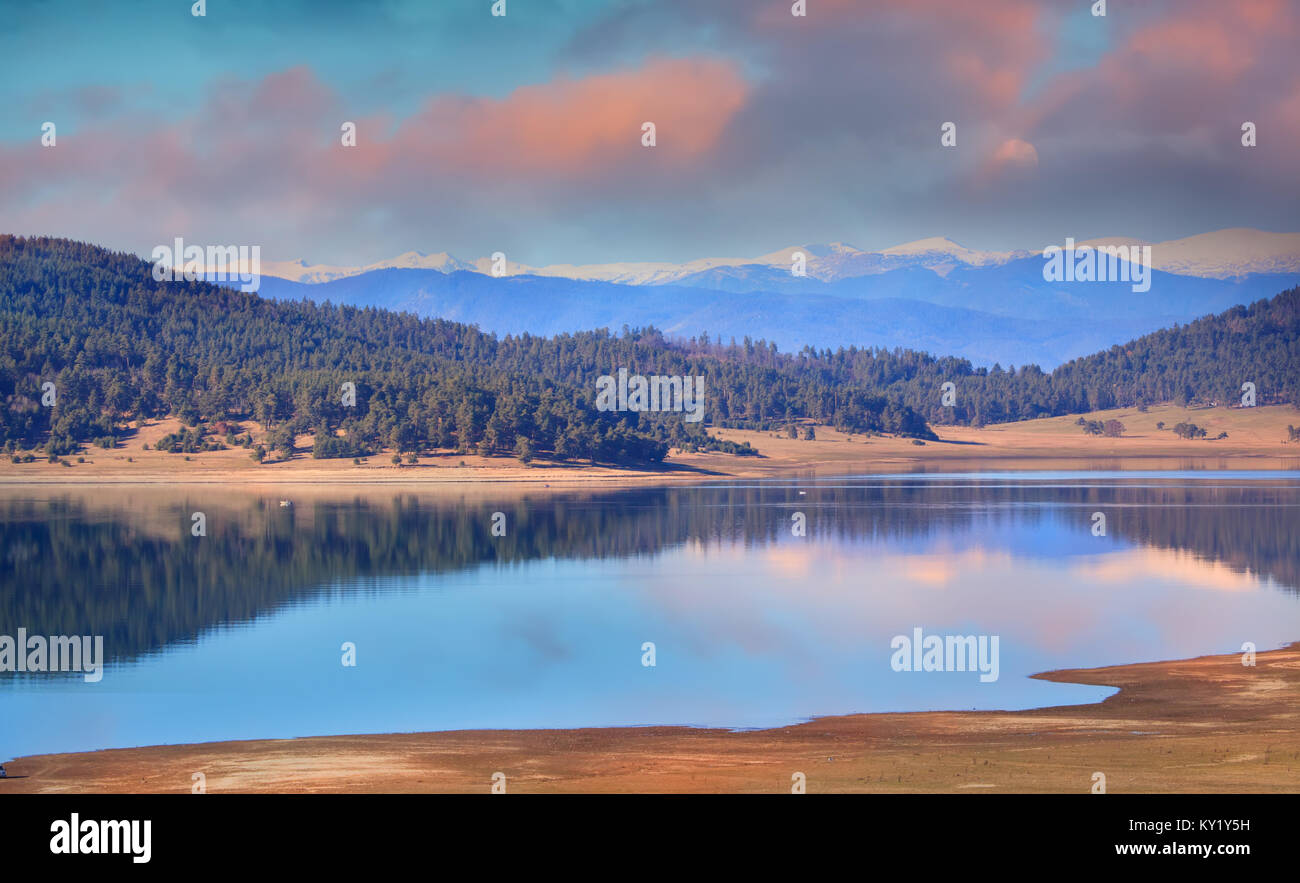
{"x": 332, "y": 447}
{"x": 187, "y": 441}
{"x": 61, "y": 444}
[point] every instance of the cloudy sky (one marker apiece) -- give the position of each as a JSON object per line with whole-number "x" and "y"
{"x": 522, "y": 134}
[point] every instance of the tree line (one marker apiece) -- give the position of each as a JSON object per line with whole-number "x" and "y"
{"x": 119, "y": 346}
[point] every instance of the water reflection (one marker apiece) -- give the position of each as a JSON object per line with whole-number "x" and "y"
{"x": 237, "y": 634}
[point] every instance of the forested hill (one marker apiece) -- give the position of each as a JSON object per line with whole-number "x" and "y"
{"x": 1204, "y": 362}
{"x": 1207, "y": 360}
{"x": 118, "y": 345}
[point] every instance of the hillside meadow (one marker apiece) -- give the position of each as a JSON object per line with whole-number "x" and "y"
{"x": 1257, "y": 439}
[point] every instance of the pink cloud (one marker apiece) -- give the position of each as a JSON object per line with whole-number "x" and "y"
{"x": 1014, "y": 152}
{"x": 266, "y": 155}
{"x": 577, "y": 126}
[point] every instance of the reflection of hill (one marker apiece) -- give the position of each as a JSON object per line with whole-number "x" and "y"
{"x": 71, "y": 566}
{"x": 1251, "y": 529}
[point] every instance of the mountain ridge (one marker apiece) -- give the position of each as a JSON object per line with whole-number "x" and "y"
{"x": 1002, "y": 314}
{"x": 1236, "y": 251}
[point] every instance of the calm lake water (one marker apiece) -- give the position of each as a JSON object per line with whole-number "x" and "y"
{"x": 238, "y": 634}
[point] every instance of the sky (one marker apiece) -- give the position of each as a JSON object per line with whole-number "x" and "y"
{"x": 523, "y": 133}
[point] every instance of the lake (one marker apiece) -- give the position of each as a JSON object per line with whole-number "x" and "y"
{"x": 543, "y": 615}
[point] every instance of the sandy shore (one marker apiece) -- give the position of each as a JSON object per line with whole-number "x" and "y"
{"x": 1257, "y": 439}
{"x": 1208, "y": 724}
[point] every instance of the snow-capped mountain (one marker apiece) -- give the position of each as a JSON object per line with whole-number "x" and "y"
{"x": 940, "y": 248}
{"x": 933, "y": 294}
{"x": 827, "y": 262}
{"x": 301, "y": 271}
{"x": 1223, "y": 254}
{"x": 1219, "y": 255}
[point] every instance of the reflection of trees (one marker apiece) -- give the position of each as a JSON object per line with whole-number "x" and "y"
{"x": 1246, "y": 528}
{"x": 71, "y": 568}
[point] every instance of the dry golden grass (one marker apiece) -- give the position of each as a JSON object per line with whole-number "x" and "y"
{"x": 1257, "y": 439}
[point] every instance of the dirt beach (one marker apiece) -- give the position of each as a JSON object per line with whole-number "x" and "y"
{"x": 1209, "y": 724}
{"x": 1257, "y": 439}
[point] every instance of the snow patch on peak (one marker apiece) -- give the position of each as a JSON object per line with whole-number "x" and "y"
{"x": 1221, "y": 254}
{"x": 927, "y": 246}
{"x": 937, "y": 247}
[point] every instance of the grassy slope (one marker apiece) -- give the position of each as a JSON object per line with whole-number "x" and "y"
{"x": 1257, "y": 438}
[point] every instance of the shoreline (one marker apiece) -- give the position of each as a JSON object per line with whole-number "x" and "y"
{"x": 1206, "y": 724}
{"x": 1256, "y": 442}
{"x": 1257, "y": 438}
{"x": 583, "y": 476}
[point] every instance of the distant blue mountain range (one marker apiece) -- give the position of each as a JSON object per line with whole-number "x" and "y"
{"x": 1004, "y": 313}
